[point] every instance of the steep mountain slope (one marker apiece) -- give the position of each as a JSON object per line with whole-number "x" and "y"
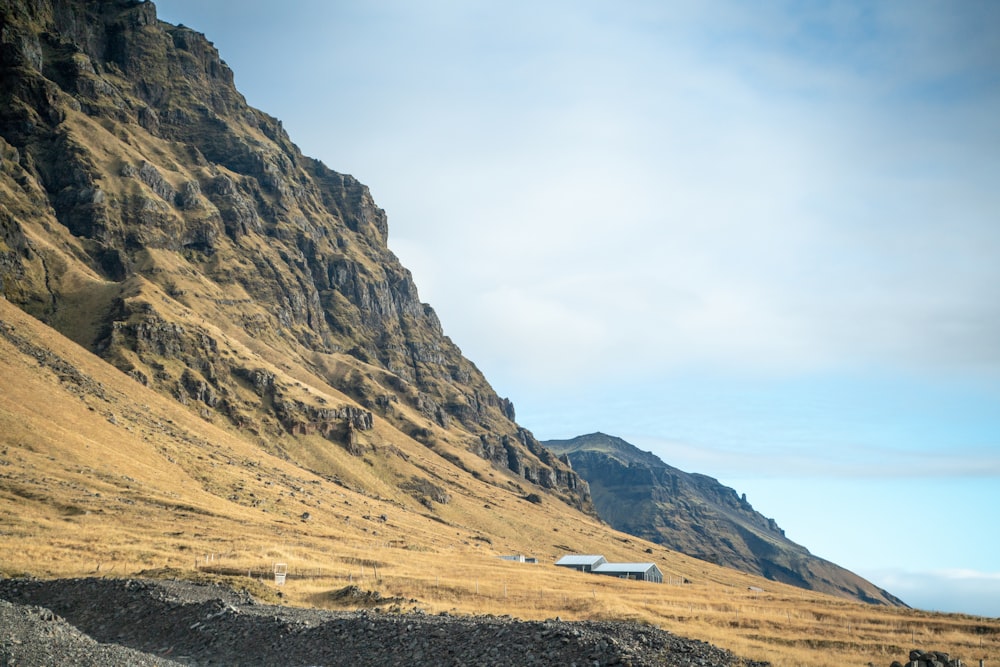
{"x": 154, "y": 218}
{"x": 637, "y": 493}
{"x": 250, "y": 364}
{"x": 99, "y": 474}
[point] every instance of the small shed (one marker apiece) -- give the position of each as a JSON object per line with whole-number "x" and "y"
{"x": 517, "y": 558}
{"x": 583, "y": 563}
{"x": 637, "y": 571}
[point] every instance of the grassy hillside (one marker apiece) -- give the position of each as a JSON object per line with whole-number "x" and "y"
{"x": 100, "y": 475}
{"x": 212, "y": 362}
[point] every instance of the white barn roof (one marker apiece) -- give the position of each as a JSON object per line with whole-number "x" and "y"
{"x": 576, "y": 559}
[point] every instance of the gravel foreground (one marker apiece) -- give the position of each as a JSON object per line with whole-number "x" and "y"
{"x": 138, "y": 622}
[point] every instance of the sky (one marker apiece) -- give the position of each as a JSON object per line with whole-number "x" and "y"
{"x": 761, "y": 240}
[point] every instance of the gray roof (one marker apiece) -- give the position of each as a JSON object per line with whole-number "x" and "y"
{"x": 624, "y": 567}
{"x": 577, "y": 559}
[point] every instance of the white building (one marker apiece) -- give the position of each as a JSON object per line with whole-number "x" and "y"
{"x": 581, "y": 563}
{"x": 637, "y": 571}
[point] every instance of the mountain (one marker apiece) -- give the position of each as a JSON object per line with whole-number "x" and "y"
{"x": 208, "y": 349}
{"x": 639, "y": 494}
{"x": 154, "y": 218}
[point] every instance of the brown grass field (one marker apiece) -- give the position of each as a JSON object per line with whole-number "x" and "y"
{"x": 102, "y": 477}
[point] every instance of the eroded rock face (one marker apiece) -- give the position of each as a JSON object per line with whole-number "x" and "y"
{"x": 135, "y": 158}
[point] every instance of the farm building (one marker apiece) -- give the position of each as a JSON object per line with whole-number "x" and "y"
{"x": 520, "y": 558}
{"x": 581, "y": 563}
{"x": 637, "y": 571}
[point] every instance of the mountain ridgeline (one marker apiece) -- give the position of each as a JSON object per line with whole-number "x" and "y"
{"x": 156, "y": 219}
{"x": 639, "y": 494}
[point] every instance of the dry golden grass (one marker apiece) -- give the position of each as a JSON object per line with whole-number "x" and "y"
{"x": 102, "y": 477}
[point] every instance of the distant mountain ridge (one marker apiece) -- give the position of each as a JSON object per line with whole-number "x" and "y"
{"x": 637, "y": 493}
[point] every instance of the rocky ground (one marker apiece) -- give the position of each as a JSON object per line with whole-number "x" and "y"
{"x": 111, "y": 623}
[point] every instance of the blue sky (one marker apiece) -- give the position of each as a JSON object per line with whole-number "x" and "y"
{"x": 761, "y": 240}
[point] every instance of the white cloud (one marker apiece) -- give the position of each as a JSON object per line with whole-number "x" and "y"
{"x": 957, "y": 591}
{"x": 810, "y": 459}
{"x": 592, "y": 193}
{"x": 704, "y": 214}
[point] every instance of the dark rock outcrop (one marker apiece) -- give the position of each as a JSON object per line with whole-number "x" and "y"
{"x": 140, "y": 620}
{"x": 166, "y": 212}
{"x": 920, "y": 658}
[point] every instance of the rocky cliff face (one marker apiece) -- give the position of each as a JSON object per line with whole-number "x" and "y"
{"x": 637, "y": 493}
{"x": 152, "y": 216}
